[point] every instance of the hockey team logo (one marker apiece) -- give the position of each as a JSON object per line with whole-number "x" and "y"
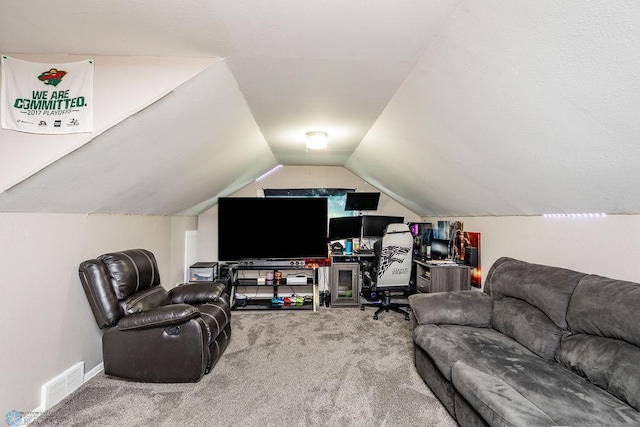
{"x": 52, "y": 77}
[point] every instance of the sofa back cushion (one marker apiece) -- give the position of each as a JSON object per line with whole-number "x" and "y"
{"x": 604, "y": 318}
{"x": 530, "y": 302}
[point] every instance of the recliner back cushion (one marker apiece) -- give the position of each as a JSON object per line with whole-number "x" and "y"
{"x": 606, "y": 307}
{"x": 131, "y": 271}
{"x": 603, "y": 316}
{"x": 545, "y": 287}
{"x": 527, "y": 325}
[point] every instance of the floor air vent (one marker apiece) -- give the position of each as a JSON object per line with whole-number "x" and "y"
{"x": 61, "y": 386}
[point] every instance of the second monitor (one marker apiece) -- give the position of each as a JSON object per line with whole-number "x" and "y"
{"x": 374, "y": 225}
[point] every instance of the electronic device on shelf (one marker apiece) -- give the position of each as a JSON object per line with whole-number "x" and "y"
{"x": 337, "y": 248}
{"x": 440, "y": 249}
{"x": 362, "y": 251}
{"x": 362, "y": 201}
{"x": 271, "y": 263}
{"x": 280, "y": 228}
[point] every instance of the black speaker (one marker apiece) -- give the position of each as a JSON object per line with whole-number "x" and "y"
{"x": 225, "y": 271}
{"x": 471, "y": 256}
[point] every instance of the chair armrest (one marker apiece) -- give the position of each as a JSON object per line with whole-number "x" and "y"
{"x": 166, "y": 315}
{"x": 465, "y": 308}
{"x": 197, "y": 293}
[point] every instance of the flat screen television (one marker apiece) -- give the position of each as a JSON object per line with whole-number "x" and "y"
{"x": 361, "y": 201}
{"x": 272, "y": 228}
{"x": 440, "y": 248}
{"x": 374, "y": 225}
{"x": 347, "y": 227}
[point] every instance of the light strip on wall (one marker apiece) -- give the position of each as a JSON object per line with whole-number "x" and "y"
{"x": 575, "y": 215}
{"x": 264, "y": 175}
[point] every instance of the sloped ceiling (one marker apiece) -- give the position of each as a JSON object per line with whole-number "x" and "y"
{"x": 451, "y": 107}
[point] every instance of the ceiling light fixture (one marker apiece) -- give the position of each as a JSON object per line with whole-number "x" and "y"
{"x": 317, "y": 140}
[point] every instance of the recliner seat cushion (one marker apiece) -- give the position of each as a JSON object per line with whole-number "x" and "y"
{"x": 447, "y": 344}
{"x": 510, "y": 385}
{"x": 528, "y": 390}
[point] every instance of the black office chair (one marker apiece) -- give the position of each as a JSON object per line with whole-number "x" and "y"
{"x": 389, "y": 272}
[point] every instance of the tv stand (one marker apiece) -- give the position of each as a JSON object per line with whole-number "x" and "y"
{"x": 250, "y": 279}
{"x": 272, "y": 263}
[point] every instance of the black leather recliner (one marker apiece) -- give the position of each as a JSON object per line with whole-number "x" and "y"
{"x": 152, "y": 335}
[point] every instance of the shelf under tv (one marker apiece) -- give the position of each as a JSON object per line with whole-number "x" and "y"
{"x": 250, "y": 281}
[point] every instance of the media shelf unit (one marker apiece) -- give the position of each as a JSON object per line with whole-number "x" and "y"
{"x": 251, "y": 281}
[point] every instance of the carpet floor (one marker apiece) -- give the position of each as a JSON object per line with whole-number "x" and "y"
{"x": 336, "y": 367}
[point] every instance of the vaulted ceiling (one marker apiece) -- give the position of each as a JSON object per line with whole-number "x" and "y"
{"x": 451, "y": 107}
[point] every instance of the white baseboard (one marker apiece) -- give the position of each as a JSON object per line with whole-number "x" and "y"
{"x": 95, "y": 371}
{"x": 35, "y": 414}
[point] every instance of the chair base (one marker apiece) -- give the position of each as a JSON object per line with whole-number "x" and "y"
{"x": 386, "y": 305}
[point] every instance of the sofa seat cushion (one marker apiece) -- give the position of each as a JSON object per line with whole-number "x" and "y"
{"x": 534, "y": 391}
{"x": 510, "y": 385}
{"x": 447, "y": 344}
{"x": 216, "y": 316}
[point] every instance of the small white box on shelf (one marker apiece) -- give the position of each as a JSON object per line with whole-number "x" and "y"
{"x": 203, "y": 272}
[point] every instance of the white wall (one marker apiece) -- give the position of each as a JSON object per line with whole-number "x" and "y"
{"x": 604, "y": 246}
{"x": 122, "y": 86}
{"x": 47, "y": 325}
{"x": 294, "y": 177}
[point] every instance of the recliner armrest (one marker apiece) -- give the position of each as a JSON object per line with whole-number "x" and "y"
{"x": 197, "y": 293}
{"x": 465, "y": 308}
{"x": 166, "y": 315}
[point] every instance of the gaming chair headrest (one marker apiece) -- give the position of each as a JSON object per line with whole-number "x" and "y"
{"x": 397, "y": 228}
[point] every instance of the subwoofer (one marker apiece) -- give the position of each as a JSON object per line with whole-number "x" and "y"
{"x": 471, "y": 256}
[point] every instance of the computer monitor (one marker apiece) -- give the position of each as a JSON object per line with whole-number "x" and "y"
{"x": 440, "y": 248}
{"x": 374, "y": 225}
{"x": 362, "y": 201}
{"x": 348, "y": 227}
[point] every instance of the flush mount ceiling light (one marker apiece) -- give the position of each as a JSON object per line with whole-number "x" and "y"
{"x": 317, "y": 140}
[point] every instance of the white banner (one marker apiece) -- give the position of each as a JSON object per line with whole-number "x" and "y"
{"x": 46, "y": 98}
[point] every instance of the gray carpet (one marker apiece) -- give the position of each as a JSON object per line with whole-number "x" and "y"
{"x": 336, "y": 367}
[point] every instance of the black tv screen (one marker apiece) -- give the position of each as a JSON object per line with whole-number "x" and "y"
{"x": 272, "y": 228}
{"x": 362, "y": 201}
{"x": 374, "y": 225}
{"x": 348, "y": 227}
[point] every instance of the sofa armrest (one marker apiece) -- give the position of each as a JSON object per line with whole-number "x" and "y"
{"x": 166, "y": 315}
{"x": 465, "y": 308}
{"x": 197, "y": 293}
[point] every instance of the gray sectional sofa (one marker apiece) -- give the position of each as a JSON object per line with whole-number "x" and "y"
{"x": 539, "y": 346}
